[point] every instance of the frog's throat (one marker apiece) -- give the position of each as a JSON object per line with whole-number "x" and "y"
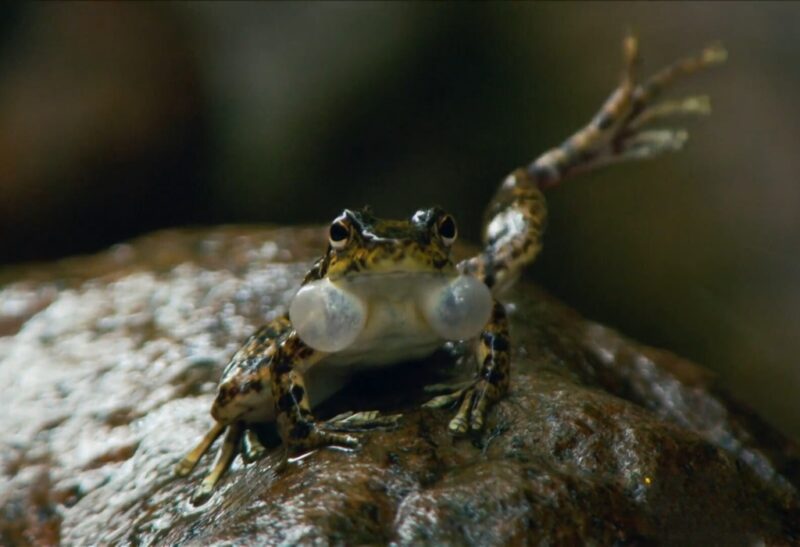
{"x": 330, "y": 318}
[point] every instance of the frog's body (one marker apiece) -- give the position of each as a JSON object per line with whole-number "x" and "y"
{"x": 390, "y": 267}
{"x": 387, "y": 291}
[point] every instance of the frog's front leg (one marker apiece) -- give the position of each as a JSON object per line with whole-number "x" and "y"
{"x": 491, "y": 384}
{"x": 297, "y": 426}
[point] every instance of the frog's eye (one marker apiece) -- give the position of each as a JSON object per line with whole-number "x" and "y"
{"x": 339, "y": 233}
{"x": 447, "y": 229}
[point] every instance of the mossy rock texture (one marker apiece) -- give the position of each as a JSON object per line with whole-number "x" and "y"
{"x": 108, "y": 366}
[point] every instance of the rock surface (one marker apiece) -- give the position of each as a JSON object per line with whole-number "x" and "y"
{"x": 108, "y": 367}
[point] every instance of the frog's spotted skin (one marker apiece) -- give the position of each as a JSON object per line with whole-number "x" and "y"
{"x": 517, "y": 214}
{"x": 387, "y": 291}
{"x": 494, "y": 362}
{"x": 385, "y": 246}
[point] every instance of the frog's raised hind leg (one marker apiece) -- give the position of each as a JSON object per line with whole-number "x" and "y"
{"x": 516, "y": 217}
{"x": 615, "y": 133}
{"x": 491, "y": 384}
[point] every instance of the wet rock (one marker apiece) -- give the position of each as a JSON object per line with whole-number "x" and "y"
{"x": 108, "y": 367}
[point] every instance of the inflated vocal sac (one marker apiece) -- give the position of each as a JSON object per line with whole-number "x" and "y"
{"x": 458, "y": 310}
{"x": 326, "y": 317}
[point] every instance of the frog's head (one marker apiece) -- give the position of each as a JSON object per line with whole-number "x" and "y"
{"x": 370, "y": 258}
{"x": 362, "y": 244}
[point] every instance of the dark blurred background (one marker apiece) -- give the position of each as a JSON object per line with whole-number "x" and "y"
{"x": 117, "y": 119}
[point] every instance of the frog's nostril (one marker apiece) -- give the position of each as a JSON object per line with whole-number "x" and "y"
{"x": 326, "y": 317}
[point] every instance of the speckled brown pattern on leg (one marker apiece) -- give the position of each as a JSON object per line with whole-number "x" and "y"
{"x": 493, "y": 353}
{"x": 513, "y": 234}
{"x": 244, "y": 381}
{"x": 296, "y": 425}
{"x": 517, "y": 215}
{"x": 494, "y": 358}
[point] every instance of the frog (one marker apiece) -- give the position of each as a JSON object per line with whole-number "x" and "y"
{"x": 388, "y": 291}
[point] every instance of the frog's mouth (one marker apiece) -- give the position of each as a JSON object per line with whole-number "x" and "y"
{"x": 396, "y": 271}
{"x": 329, "y": 317}
{"x": 393, "y": 273}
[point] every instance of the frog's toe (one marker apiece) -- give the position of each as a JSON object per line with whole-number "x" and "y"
{"x": 184, "y": 467}
{"x": 465, "y": 418}
{"x": 339, "y": 439}
{"x": 469, "y": 420}
{"x": 457, "y": 426}
{"x": 460, "y": 423}
{"x": 361, "y": 421}
{"x": 442, "y": 401}
{"x": 452, "y": 387}
{"x": 251, "y": 455}
{"x": 201, "y": 494}
{"x": 474, "y": 404}
{"x": 305, "y": 437}
{"x": 479, "y": 409}
{"x": 476, "y": 422}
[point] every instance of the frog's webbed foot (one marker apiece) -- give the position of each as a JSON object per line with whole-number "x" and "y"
{"x": 617, "y": 132}
{"x": 621, "y": 131}
{"x": 305, "y": 436}
{"x": 473, "y": 398}
{"x": 361, "y": 421}
{"x": 451, "y": 392}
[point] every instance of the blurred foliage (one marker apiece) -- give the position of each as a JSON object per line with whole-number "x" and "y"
{"x": 116, "y": 119}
